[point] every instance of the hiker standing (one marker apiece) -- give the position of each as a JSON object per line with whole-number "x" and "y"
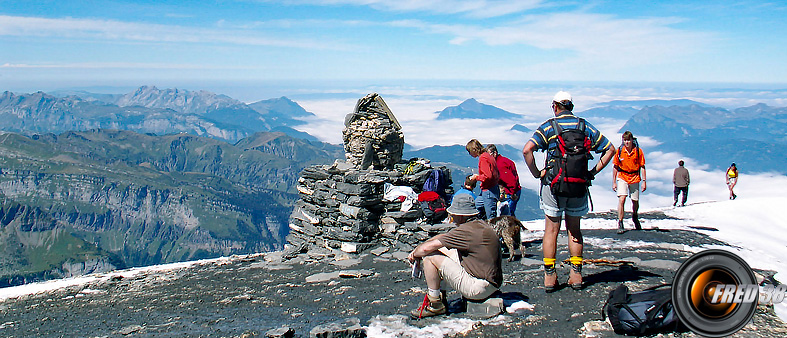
{"x": 732, "y": 179}
{"x": 629, "y": 171}
{"x": 510, "y": 189}
{"x": 488, "y": 176}
{"x": 545, "y": 138}
{"x": 680, "y": 178}
{"x": 476, "y": 275}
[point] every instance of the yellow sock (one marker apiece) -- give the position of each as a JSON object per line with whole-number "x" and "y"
{"x": 576, "y": 260}
{"x": 549, "y": 262}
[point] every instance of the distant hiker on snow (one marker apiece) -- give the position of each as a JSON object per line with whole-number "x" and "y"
{"x": 468, "y": 257}
{"x": 629, "y": 171}
{"x": 510, "y": 189}
{"x": 732, "y": 179}
{"x": 565, "y": 181}
{"x": 488, "y": 176}
{"x": 680, "y": 178}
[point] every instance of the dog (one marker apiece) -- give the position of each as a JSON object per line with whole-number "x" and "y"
{"x": 509, "y": 228}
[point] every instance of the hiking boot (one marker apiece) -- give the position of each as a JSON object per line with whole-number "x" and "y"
{"x": 675, "y": 203}
{"x": 734, "y": 196}
{"x": 575, "y": 276}
{"x": 430, "y": 307}
{"x": 637, "y": 225}
{"x": 550, "y": 279}
{"x": 620, "y": 227}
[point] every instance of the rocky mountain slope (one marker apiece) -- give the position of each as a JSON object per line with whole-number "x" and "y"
{"x": 370, "y": 293}
{"x": 93, "y": 201}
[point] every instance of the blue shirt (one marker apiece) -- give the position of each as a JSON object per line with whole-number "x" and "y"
{"x": 464, "y": 190}
{"x": 545, "y": 137}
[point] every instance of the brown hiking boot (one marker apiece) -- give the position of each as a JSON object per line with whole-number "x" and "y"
{"x": 550, "y": 278}
{"x": 637, "y": 225}
{"x": 430, "y": 307}
{"x": 575, "y": 276}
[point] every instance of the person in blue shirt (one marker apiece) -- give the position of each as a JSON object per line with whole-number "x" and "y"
{"x": 467, "y": 188}
{"x": 554, "y": 207}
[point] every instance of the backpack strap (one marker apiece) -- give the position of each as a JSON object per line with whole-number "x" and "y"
{"x": 556, "y": 127}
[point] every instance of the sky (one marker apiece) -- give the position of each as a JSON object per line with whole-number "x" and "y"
{"x": 46, "y": 45}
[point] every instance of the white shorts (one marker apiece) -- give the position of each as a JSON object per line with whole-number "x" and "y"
{"x": 626, "y": 189}
{"x": 463, "y": 282}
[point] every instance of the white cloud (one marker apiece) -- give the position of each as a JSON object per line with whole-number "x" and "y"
{"x": 589, "y": 38}
{"x": 469, "y": 8}
{"x": 113, "y": 30}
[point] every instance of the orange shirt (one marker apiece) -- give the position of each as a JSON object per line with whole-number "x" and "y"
{"x": 628, "y": 162}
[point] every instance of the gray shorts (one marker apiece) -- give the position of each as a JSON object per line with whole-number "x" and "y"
{"x": 555, "y": 207}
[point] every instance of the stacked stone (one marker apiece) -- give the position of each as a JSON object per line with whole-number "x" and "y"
{"x": 342, "y": 208}
{"x": 372, "y": 136}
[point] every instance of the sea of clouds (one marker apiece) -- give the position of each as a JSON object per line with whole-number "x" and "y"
{"x": 417, "y": 107}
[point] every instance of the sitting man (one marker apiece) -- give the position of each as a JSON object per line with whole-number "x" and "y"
{"x": 467, "y": 257}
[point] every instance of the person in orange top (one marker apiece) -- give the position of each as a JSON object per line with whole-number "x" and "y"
{"x": 629, "y": 171}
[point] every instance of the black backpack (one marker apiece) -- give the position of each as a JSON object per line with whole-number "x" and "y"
{"x": 640, "y": 313}
{"x": 568, "y": 174}
{"x": 433, "y": 207}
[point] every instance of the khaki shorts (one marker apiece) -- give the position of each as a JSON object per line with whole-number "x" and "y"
{"x": 463, "y": 282}
{"x": 626, "y": 189}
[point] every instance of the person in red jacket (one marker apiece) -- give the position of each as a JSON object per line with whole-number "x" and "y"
{"x": 510, "y": 189}
{"x": 488, "y": 176}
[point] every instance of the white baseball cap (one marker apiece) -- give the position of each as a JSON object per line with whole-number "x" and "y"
{"x": 562, "y": 96}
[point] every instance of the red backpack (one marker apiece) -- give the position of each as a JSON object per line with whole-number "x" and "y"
{"x": 433, "y": 206}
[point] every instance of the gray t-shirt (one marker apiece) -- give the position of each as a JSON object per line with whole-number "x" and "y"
{"x": 479, "y": 250}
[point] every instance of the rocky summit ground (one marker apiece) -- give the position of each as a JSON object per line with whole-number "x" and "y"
{"x": 248, "y": 296}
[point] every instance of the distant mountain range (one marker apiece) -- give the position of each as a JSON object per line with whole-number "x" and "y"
{"x": 149, "y": 110}
{"x": 91, "y": 201}
{"x": 619, "y": 109}
{"x": 752, "y": 137}
{"x": 472, "y": 109}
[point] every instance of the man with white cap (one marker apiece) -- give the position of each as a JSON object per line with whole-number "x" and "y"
{"x": 468, "y": 257}
{"x": 546, "y": 138}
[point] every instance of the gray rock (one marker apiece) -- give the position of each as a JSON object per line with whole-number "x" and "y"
{"x": 379, "y": 251}
{"x": 485, "y": 309}
{"x": 282, "y": 332}
{"x": 322, "y": 277}
{"x": 347, "y": 328}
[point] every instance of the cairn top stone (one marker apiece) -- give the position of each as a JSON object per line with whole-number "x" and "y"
{"x": 372, "y": 135}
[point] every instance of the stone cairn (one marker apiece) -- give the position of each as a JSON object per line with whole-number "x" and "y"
{"x": 372, "y": 136}
{"x": 342, "y": 208}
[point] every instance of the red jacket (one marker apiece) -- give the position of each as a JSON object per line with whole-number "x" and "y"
{"x": 487, "y": 171}
{"x": 509, "y": 178}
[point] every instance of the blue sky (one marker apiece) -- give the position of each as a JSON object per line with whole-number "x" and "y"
{"x": 81, "y": 43}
